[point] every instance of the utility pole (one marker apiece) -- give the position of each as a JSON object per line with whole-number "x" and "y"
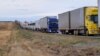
{"x": 99, "y": 13}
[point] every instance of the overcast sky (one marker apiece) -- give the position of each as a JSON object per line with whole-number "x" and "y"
{"x": 34, "y": 9}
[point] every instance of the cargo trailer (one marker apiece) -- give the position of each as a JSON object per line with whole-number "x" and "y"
{"x": 37, "y": 25}
{"x": 79, "y": 21}
{"x": 63, "y": 22}
{"x": 24, "y": 25}
{"x": 48, "y": 24}
{"x": 31, "y": 26}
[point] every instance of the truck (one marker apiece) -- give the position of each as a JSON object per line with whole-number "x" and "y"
{"x": 24, "y": 25}
{"x": 37, "y": 25}
{"x": 79, "y": 21}
{"x": 27, "y": 25}
{"x": 31, "y": 26}
{"x": 48, "y": 24}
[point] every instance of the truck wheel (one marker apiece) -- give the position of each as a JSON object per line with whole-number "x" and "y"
{"x": 62, "y": 31}
{"x": 79, "y": 32}
{"x": 87, "y": 33}
{"x": 76, "y": 32}
{"x": 72, "y": 32}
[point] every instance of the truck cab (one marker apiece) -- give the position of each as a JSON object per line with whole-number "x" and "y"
{"x": 91, "y": 21}
{"x": 52, "y": 25}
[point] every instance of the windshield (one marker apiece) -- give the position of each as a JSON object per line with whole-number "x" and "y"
{"x": 94, "y": 18}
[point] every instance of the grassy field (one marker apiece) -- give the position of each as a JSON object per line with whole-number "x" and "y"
{"x": 20, "y": 42}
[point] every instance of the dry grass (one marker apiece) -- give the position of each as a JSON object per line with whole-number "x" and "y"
{"x": 19, "y": 42}
{"x": 6, "y": 25}
{"x": 5, "y": 35}
{"x": 47, "y": 44}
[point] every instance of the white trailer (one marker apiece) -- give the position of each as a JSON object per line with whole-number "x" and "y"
{"x": 43, "y": 23}
{"x": 24, "y": 25}
{"x": 37, "y": 25}
{"x": 79, "y": 21}
{"x": 63, "y": 22}
{"x": 47, "y": 24}
{"x": 31, "y": 26}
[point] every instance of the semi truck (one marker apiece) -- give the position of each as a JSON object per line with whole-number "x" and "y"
{"x": 79, "y": 21}
{"x": 37, "y": 25}
{"x": 27, "y": 25}
{"x": 47, "y": 24}
{"x": 24, "y": 25}
{"x": 31, "y": 26}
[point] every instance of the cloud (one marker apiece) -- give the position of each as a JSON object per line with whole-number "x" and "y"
{"x": 30, "y": 8}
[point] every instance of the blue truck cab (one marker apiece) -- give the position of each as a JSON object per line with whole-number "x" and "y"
{"x": 52, "y": 24}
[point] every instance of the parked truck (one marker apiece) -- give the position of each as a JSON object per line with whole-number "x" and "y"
{"x": 79, "y": 21}
{"x": 48, "y": 24}
{"x": 24, "y": 25}
{"x": 37, "y": 26}
{"x": 31, "y": 26}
